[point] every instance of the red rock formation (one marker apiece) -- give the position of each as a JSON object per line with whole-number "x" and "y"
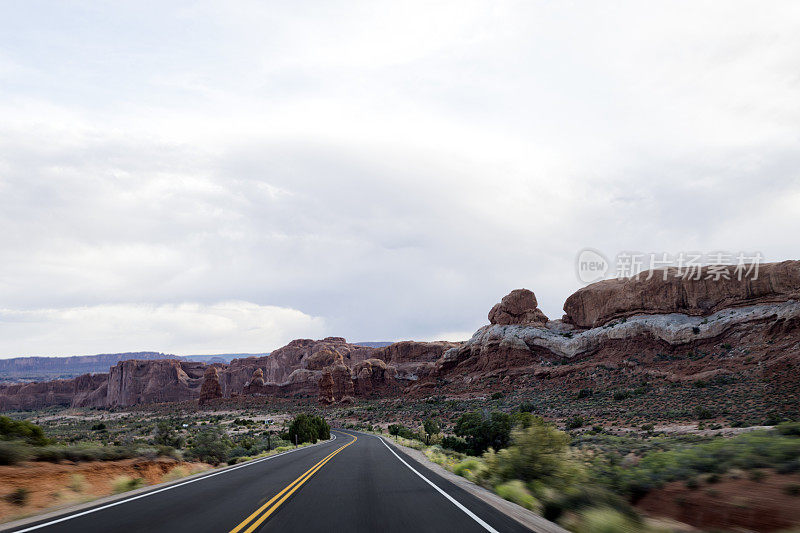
{"x": 210, "y": 389}
{"x": 413, "y": 360}
{"x": 166, "y": 380}
{"x": 518, "y": 307}
{"x": 374, "y": 377}
{"x": 605, "y": 301}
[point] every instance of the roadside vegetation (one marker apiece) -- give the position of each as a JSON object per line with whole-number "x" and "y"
{"x": 130, "y": 450}
{"x": 590, "y": 480}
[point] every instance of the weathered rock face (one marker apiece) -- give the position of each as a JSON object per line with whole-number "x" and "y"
{"x": 335, "y": 383}
{"x": 717, "y": 288}
{"x": 413, "y": 360}
{"x": 518, "y": 307}
{"x": 670, "y": 330}
{"x": 374, "y": 377}
{"x": 166, "y": 380}
{"x": 210, "y": 389}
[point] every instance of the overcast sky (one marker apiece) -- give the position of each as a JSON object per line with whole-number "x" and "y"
{"x": 224, "y": 177}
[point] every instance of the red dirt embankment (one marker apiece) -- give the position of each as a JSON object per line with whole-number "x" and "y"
{"x": 52, "y": 485}
{"x": 770, "y": 504}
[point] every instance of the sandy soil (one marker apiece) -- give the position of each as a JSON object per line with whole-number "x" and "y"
{"x": 52, "y": 485}
{"x": 764, "y": 505}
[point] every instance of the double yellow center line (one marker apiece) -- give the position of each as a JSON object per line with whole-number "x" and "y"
{"x": 263, "y": 512}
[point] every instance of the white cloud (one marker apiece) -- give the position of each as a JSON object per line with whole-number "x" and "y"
{"x": 393, "y": 169}
{"x": 187, "y": 328}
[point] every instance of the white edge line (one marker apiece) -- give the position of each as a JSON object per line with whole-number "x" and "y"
{"x": 455, "y": 502}
{"x": 150, "y": 493}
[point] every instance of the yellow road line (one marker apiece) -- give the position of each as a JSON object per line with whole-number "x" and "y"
{"x": 285, "y": 493}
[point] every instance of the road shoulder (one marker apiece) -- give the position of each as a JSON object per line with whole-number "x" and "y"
{"x": 521, "y": 515}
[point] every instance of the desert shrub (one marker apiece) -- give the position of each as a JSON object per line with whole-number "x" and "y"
{"x": 210, "y": 445}
{"x": 470, "y": 468}
{"x": 703, "y": 413}
{"x": 399, "y": 430}
{"x": 497, "y": 395}
{"x": 578, "y": 497}
{"x": 585, "y": 393}
{"x": 12, "y": 452}
{"x": 483, "y": 432}
{"x": 751, "y": 451}
{"x": 77, "y": 483}
{"x": 538, "y": 453}
{"x": 515, "y": 491}
{"x": 790, "y": 429}
{"x": 575, "y": 422}
{"x": 18, "y": 497}
{"x": 126, "y": 483}
{"x": 11, "y": 429}
{"x": 165, "y": 435}
{"x": 603, "y": 520}
{"x": 456, "y": 444}
{"x": 176, "y": 473}
{"x": 526, "y": 407}
{"x": 622, "y": 395}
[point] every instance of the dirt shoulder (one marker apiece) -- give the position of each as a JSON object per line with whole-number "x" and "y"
{"x": 35, "y": 487}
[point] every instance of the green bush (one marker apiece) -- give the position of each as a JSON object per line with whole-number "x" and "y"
{"x": 515, "y": 491}
{"x": 12, "y": 452}
{"x": 482, "y": 432}
{"x": 470, "y": 468}
{"x": 526, "y": 407}
{"x": 575, "y": 422}
{"x": 18, "y": 497}
{"x": 538, "y": 453}
{"x": 456, "y": 444}
{"x": 77, "y": 483}
{"x": 751, "y": 451}
{"x": 126, "y": 483}
{"x": 165, "y": 435}
{"x": 790, "y": 429}
{"x": 211, "y": 445}
{"x": 11, "y": 429}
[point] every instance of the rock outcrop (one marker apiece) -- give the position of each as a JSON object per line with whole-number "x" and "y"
{"x": 704, "y": 292}
{"x": 518, "y": 307}
{"x": 166, "y": 380}
{"x": 673, "y": 329}
{"x": 210, "y": 389}
{"x": 412, "y": 360}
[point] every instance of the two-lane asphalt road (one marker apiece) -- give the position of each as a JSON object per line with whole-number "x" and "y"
{"x": 354, "y": 482}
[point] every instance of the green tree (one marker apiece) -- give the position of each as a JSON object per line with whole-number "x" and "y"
{"x": 211, "y": 445}
{"x": 484, "y": 431}
{"x": 307, "y": 428}
{"x": 431, "y": 428}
